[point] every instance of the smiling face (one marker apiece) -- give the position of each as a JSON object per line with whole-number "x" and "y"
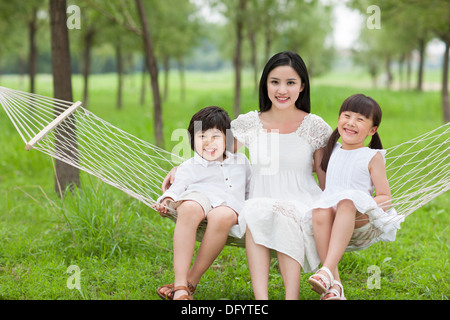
{"x": 283, "y": 87}
{"x": 354, "y": 129}
{"x": 210, "y": 144}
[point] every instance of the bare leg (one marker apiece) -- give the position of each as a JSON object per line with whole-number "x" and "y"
{"x": 322, "y": 220}
{"x": 290, "y": 271}
{"x": 258, "y": 258}
{"x": 322, "y": 225}
{"x": 220, "y": 220}
{"x": 190, "y": 214}
{"x": 343, "y": 226}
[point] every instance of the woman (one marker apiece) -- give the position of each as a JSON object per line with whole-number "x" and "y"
{"x": 284, "y": 140}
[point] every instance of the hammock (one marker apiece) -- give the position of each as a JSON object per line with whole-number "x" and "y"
{"x": 418, "y": 170}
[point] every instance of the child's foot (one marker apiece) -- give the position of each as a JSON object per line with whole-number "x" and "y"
{"x": 181, "y": 293}
{"x": 165, "y": 292}
{"x": 336, "y": 292}
{"x": 321, "y": 281}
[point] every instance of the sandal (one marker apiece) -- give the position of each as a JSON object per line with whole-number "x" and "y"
{"x": 168, "y": 294}
{"x": 323, "y": 284}
{"x": 337, "y": 295}
{"x": 185, "y": 296}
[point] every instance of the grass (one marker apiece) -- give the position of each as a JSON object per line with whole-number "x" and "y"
{"x": 124, "y": 249}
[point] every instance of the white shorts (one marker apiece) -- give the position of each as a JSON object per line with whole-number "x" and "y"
{"x": 196, "y": 196}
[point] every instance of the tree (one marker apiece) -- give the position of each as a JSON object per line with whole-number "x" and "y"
{"x": 305, "y": 30}
{"x": 65, "y": 174}
{"x": 120, "y": 13}
{"x": 152, "y": 67}
{"x": 235, "y": 12}
{"x": 12, "y": 12}
{"x": 425, "y": 19}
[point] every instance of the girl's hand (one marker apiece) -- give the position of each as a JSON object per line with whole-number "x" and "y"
{"x": 162, "y": 207}
{"x": 168, "y": 180}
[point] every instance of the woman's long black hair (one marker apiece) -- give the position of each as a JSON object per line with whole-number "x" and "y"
{"x": 285, "y": 58}
{"x": 364, "y": 105}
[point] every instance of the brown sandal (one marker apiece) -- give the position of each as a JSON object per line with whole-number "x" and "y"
{"x": 168, "y": 294}
{"x": 185, "y": 296}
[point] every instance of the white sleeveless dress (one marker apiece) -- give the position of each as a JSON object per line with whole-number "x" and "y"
{"x": 282, "y": 186}
{"x": 348, "y": 177}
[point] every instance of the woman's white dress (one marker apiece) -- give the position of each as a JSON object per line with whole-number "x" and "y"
{"x": 348, "y": 177}
{"x": 283, "y": 187}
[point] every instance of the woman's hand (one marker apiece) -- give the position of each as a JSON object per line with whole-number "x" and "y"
{"x": 168, "y": 180}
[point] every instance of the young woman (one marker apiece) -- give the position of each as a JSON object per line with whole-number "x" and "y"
{"x": 284, "y": 140}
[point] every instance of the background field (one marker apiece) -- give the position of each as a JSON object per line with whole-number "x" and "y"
{"x": 124, "y": 249}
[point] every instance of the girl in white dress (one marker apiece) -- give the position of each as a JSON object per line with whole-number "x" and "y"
{"x": 347, "y": 217}
{"x": 283, "y": 139}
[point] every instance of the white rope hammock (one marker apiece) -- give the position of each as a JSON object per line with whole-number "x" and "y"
{"x": 418, "y": 170}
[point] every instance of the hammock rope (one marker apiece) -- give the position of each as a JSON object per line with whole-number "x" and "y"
{"x": 418, "y": 170}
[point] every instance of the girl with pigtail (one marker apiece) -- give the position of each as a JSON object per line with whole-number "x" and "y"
{"x": 348, "y": 216}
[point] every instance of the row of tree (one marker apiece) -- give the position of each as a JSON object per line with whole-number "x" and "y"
{"x": 406, "y": 27}
{"x": 253, "y": 30}
{"x": 161, "y": 32}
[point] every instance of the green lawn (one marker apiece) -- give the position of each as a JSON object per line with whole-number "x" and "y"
{"x": 124, "y": 249}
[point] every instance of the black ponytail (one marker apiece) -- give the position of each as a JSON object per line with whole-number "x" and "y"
{"x": 334, "y": 137}
{"x": 375, "y": 142}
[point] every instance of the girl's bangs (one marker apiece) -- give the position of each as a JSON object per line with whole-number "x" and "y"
{"x": 359, "y": 104}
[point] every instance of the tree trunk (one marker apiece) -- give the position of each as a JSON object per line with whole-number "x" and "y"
{"x": 252, "y": 38}
{"x": 238, "y": 57}
{"x": 152, "y": 67}
{"x": 65, "y": 175}
{"x": 88, "y": 38}
{"x": 408, "y": 71}
{"x": 182, "y": 79}
{"x": 143, "y": 76}
{"x": 166, "y": 65}
{"x": 445, "y": 102}
{"x": 389, "y": 76}
{"x": 421, "y": 64}
{"x": 401, "y": 76}
{"x": 119, "y": 63}
{"x": 32, "y": 59}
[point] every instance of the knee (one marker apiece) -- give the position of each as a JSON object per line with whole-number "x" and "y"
{"x": 190, "y": 210}
{"x": 223, "y": 218}
{"x": 345, "y": 206}
{"x": 322, "y": 217}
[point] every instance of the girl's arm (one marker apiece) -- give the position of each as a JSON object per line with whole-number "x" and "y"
{"x": 320, "y": 173}
{"x": 377, "y": 171}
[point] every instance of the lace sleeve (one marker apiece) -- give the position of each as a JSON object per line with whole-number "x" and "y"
{"x": 316, "y": 132}
{"x": 245, "y": 127}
